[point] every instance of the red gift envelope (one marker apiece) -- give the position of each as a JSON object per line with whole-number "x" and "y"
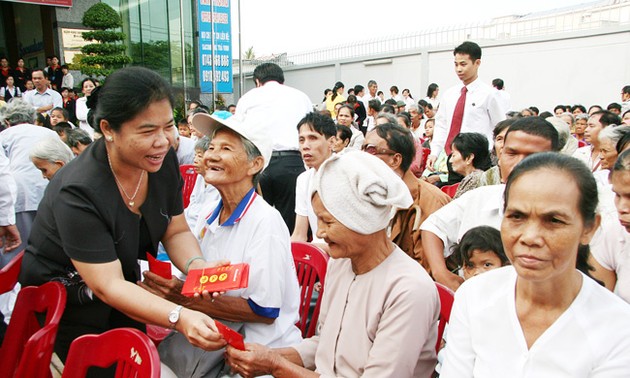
{"x": 161, "y": 268}
{"x": 222, "y": 278}
{"x": 232, "y": 337}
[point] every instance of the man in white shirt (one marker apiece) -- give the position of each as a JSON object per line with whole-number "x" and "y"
{"x": 481, "y": 111}
{"x": 505, "y": 100}
{"x": 317, "y": 134}
{"x": 43, "y": 99}
{"x": 372, "y": 89}
{"x": 277, "y": 108}
{"x": 482, "y": 206}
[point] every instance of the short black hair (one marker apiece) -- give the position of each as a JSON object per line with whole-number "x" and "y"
{"x": 344, "y": 132}
{"x": 268, "y": 72}
{"x": 320, "y": 123}
{"x": 498, "y": 83}
{"x": 475, "y": 144}
{"x": 375, "y": 105}
{"x": 625, "y": 89}
{"x": 358, "y": 88}
{"x": 468, "y": 48}
{"x": 388, "y": 109}
{"x": 483, "y": 238}
{"x": 561, "y": 107}
{"x": 578, "y": 106}
{"x": 398, "y": 140}
{"x": 536, "y": 126}
{"x": 607, "y": 118}
{"x": 614, "y": 105}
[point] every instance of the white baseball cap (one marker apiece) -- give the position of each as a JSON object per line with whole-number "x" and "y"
{"x": 252, "y": 131}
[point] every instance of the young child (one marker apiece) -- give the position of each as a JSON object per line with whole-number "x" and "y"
{"x": 479, "y": 251}
{"x": 183, "y": 128}
{"x": 59, "y": 115}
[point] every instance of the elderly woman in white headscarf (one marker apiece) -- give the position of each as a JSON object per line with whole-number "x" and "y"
{"x": 380, "y": 308}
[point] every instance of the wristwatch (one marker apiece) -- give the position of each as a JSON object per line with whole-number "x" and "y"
{"x": 173, "y": 316}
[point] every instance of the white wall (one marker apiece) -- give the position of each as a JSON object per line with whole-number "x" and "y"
{"x": 577, "y": 68}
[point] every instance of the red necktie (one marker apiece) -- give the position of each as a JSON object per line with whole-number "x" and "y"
{"x": 456, "y": 123}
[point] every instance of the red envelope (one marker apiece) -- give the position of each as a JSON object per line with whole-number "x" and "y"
{"x": 222, "y": 278}
{"x": 232, "y": 337}
{"x": 161, "y": 268}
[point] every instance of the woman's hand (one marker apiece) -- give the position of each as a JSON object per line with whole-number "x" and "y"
{"x": 256, "y": 360}
{"x": 200, "y": 330}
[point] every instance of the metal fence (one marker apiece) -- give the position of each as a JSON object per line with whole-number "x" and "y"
{"x": 586, "y": 17}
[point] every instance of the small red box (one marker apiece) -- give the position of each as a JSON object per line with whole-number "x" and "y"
{"x": 161, "y": 268}
{"x": 222, "y": 278}
{"x": 232, "y": 337}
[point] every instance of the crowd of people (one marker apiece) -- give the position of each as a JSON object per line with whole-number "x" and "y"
{"x": 534, "y": 238}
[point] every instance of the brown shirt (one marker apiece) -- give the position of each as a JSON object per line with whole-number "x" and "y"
{"x": 405, "y": 226}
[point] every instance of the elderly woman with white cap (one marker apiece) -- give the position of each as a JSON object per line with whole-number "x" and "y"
{"x": 380, "y": 308}
{"x": 242, "y": 228}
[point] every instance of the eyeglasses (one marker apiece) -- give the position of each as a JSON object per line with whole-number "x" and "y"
{"x": 373, "y": 150}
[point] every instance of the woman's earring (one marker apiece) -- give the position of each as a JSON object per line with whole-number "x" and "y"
{"x": 109, "y": 138}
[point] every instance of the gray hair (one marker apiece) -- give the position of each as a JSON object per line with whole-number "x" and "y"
{"x": 52, "y": 149}
{"x": 203, "y": 143}
{"x": 17, "y": 111}
{"x": 416, "y": 108}
{"x": 580, "y": 116}
{"x": 612, "y": 133}
{"x": 74, "y": 137}
{"x": 391, "y": 118}
{"x": 564, "y": 132}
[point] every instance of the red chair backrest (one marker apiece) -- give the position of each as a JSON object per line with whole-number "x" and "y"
{"x": 450, "y": 189}
{"x": 446, "y": 304}
{"x": 9, "y": 274}
{"x": 190, "y": 176}
{"x": 131, "y": 350}
{"x": 310, "y": 265}
{"x": 28, "y": 347}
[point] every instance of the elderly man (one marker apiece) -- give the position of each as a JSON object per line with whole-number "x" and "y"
{"x": 242, "y": 228}
{"x": 16, "y": 143}
{"x": 395, "y": 146}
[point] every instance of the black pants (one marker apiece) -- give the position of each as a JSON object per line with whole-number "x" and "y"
{"x": 278, "y": 183}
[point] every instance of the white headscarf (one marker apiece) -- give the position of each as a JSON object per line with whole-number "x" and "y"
{"x": 360, "y": 191}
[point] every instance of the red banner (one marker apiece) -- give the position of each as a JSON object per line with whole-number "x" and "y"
{"x": 55, "y": 3}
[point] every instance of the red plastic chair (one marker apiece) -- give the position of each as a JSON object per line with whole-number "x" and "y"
{"x": 310, "y": 265}
{"x": 9, "y": 274}
{"x": 157, "y": 333}
{"x": 450, "y": 189}
{"x": 28, "y": 347}
{"x": 446, "y": 304}
{"x": 190, "y": 176}
{"x": 131, "y": 350}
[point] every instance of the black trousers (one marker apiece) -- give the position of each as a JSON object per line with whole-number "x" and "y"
{"x": 277, "y": 183}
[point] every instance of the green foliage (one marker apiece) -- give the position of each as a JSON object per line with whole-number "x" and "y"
{"x": 104, "y": 36}
{"x": 101, "y": 59}
{"x": 154, "y": 54}
{"x": 103, "y": 48}
{"x": 101, "y": 16}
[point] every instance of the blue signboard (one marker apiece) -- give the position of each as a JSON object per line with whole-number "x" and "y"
{"x": 222, "y": 45}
